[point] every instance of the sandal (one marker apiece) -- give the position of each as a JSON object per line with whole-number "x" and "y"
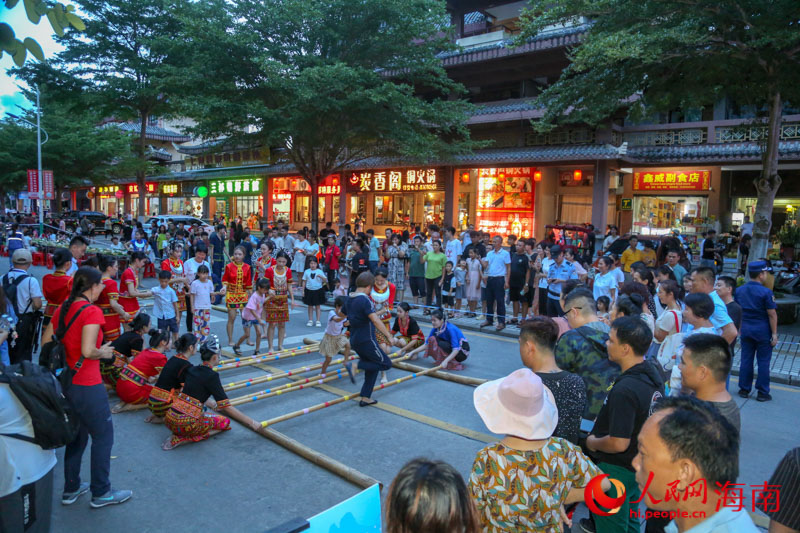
{"x": 236, "y": 349}
{"x": 362, "y": 403}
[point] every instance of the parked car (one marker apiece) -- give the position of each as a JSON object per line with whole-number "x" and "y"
{"x": 73, "y": 220}
{"x": 163, "y": 220}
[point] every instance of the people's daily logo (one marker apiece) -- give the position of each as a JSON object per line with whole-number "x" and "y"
{"x": 593, "y": 495}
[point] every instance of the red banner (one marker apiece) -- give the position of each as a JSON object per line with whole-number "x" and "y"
{"x": 677, "y": 180}
{"x": 33, "y": 184}
{"x": 47, "y": 184}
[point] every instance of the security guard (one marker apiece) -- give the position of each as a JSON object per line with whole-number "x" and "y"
{"x": 759, "y": 329}
{"x": 560, "y": 271}
{"x": 14, "y": 242}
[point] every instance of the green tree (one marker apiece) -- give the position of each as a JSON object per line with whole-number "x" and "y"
{"x": 329, "y": 82}
{"x": 78, "y": 148}
{"x": 60, "y": 16}
{"x": 678, "y": 54}
{"x": 124, "y": 55}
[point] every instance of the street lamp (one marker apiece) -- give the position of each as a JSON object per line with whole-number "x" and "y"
{"x": 39, "y": 144}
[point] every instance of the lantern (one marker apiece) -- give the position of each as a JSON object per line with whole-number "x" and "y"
{"x": 119, "y": 194}
{"x": 577, "y": 174}
{"x": 501, "y": 175}
{"x": 465, "y": 177}
{"x": 537, "y": 176}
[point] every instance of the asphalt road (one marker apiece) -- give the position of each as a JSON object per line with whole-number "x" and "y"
{"x": 239, "y": 481}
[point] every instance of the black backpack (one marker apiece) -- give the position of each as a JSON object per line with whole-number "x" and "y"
{"x": 53, "y": 355}
{"x": 10, "y": 288}
{"x": 55, "y": 422}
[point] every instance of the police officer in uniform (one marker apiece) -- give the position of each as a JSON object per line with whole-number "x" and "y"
{"x": 759, "y": 329}
{"x": 560, "y": 271}
{"x": 14, "y": 242}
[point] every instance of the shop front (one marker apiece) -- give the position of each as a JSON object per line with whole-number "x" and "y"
{"x": 497, "y": 200}
{"x": 179, "y": 198}
{"x": 666, "y": 199}
{"x": 234, "y": 197}
{"x": 396, "y": 198}
{"x": 786, "y": 207}
{"x": 151, "y": 199}
{"x": 110, "y": 200}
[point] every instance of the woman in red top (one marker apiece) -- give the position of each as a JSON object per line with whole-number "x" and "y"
{"x": 56, "y": 286}
{"x": 108, "y": 300}
{"x": 265, "y": 260}
{"x": 83, "y": 345}
{"x": 276, "y": 310}
{"x": 238, "y": 281}
{"x": 178, "y": 281}
{"x": 332, "y": 254}
{"x": 128, "y": 287}
{"x": 137, "y": 377}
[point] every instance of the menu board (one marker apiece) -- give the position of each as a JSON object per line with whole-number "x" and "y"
{"x": 505, "y": 201}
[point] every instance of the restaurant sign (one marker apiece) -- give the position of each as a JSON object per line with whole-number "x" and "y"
{"x": 236, "y": 186}
{"x": 133, "y": 188}
{"x": 410, "y": 180}
{"x": 676, "y": 180}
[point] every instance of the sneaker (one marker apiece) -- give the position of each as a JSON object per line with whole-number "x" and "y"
{"x": 319, "y": 324}
{"x": 111, "y": 497}
{"x": 587, "y": 526}
{"x": 744, "y": 393}
{"x": 763, "y": 397}
{"x": 384, "y": 379}
{"x": 309, "y": 323}
{"x": 68, "y": 498}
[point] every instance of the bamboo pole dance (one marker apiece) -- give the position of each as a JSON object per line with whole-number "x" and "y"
{"x": 342, "y": 399}
{"x": 295, "y": 386}
{"x": 447, "y": 376}
{"x": 275, "y": 352}
{"x": 235, "y": 385}
{"x": 294, "y": 352}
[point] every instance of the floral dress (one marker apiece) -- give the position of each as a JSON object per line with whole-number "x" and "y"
{"x": 473, "y": 280}
{"x": 397, "y": 271}
{"x": 516, "y": 490}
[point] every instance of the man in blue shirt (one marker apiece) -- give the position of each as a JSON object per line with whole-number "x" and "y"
{"x": 759, "y": 330}
{"x": 374, "y": 249}
{"x": 687, "y": 442}
{"x": 498, "y": 269}
{"x": 703, "y": 280}
{"x": 559, "y": 272}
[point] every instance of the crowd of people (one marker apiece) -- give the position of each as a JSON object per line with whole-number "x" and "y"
{"x": 624, "y": 357}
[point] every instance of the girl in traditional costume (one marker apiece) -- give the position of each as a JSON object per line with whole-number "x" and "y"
{"x": 171, "y": 379}
{"x": 407, "y": 332}
{"x": 56, "y": 286}
{"x": 129, "y": 293}
{"x": 108, "y": 301}
{"x": 265, "y": 260}
{"x": 137, "y": 377}
{"x": 276, "y": 310}
{"x": 126, "y": 347}
{"x": 185, "y": 417}
{"x": 238, "y": 282}
{"x": 382, "y": 296}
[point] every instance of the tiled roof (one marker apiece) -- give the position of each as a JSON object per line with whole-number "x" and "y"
{"x": 709, "y": 152}
{"x": 153, "y": 132}
{"x": 507, "y": 106}
{"x": 474, "y": 18}
{"x": 199, "y": 148}
{"x": 540, "y": 153}
{"x": 549, "y": 39}
{"x": 158, "y": 153}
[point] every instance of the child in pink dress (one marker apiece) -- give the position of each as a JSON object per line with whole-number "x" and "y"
{"x": 253, "y": 315}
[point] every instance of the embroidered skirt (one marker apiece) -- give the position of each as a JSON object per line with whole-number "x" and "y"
{"x": 235, "y": 300}
{"x": 382, "y": 339}
{"x": 187, "y": 421}
{"x": 181, "y": 300}
{"x": 159, "y": 402}
{"x": 276, "y": 309}
{"x": 202, "y": 324}
{"x": 109, "y": 369}
{"x": 132, "y": 386}
{"x": 111, "y": 327}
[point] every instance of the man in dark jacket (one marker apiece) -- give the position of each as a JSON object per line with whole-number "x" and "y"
{"x": 613, "y": 442}
{"x": 582, "y": 350}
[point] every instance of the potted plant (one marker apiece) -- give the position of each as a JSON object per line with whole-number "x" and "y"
{"x": 789, "y": 237}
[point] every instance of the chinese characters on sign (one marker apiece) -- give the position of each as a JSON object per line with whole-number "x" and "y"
{"x": 33, "y": 184}
{"x": 679, "y": 180}
{"x": 504, "y": 172}
{"x": 245, "y": 186}
{"x": 107, "y": 190}
{"x": 169, "y": 188}
{"x": 396, "y": 180}
{"x": 133, "y": 188}
{"x": 329, "y": 189}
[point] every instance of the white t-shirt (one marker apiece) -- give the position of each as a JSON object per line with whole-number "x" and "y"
{"x": 202, "y": 293}
{"x": 667, "y": 322}
{"x": 546, "y": 263}
{"x": 190, "y": 268}
{"x": 453, "y": 250}
{"x": 746, "y": 229}
{"x": 314, "y": 283}
{"x": 620, "y": 275}
{"x": 604, "y": 284}
{"x": 21, "y": 462}
{"x": 27, "y": 289}
{"x": 333, "y": 327}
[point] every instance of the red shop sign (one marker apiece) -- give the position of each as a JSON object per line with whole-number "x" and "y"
{"x": 674, "y": 180}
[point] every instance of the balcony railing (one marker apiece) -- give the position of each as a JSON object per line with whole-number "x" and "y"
{"x": 665, "y": 137}
{"x": 576, "y": 136}
{"x": 745, "y": 133}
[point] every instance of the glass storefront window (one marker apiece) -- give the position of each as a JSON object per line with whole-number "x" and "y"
{"x": 176, "y": 206}
{"x": 245, "y": 205}
{"x": 393, "y": 209}
{"x": 302, "y": 207}
{"x": 281, "y": 207}
{"x": 464, "y": 203}
{"x": 357, "y": 207}
{"x": 658, "y": 215}
{"x": 336, "y": 204}
{"x": 433, "y": 208}
{"x": 323, "y": 202}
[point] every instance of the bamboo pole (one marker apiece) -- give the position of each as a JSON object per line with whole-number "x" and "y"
{"x": 292, "y": 353}
{"x": 256, "y": 356}
{"x": 342, "y": 399}
{"x": 235, "y": 385}
{"x": 294, "y": 386}
{"x": 447, "y": 376}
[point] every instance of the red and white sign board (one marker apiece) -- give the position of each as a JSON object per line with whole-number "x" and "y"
{"x": 47, "y": 184}
{"x": 33, "y": 184}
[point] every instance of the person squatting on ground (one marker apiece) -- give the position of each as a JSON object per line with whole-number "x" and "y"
{"x": 170, "y": 380}
{"x": 137, "y": 377}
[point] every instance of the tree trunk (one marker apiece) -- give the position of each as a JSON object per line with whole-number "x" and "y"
{"x": 140, "y": 174}
{"x": 315, "y": 204}
{"x": 768, "y": 183}
{"x": 2, "y": 201}
{"x": 59, "y": 190}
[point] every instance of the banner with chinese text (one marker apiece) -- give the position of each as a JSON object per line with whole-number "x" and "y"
{"x": 410, "y": 180}
{"x": 677, "y": 180}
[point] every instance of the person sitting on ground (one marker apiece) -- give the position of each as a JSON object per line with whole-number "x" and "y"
{"x": 446, "y": 344}
{"x": 136, "y": 378}
{"x": 684, "y": 445}
{"x": 537, "y": 340}
{"x": 554, "y": 471}
{"x": 171, "y": 379}
{"x": 185, "y": 418}
{"x": 410, "y": 334}
{"x": 430, "y": 496}
{"x": 705, "y": 363}
{"x": 582, "y": 350}
{"x": 126, "y": 347}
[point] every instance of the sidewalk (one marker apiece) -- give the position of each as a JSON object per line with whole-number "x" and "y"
{"x": 784, "y": 367}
